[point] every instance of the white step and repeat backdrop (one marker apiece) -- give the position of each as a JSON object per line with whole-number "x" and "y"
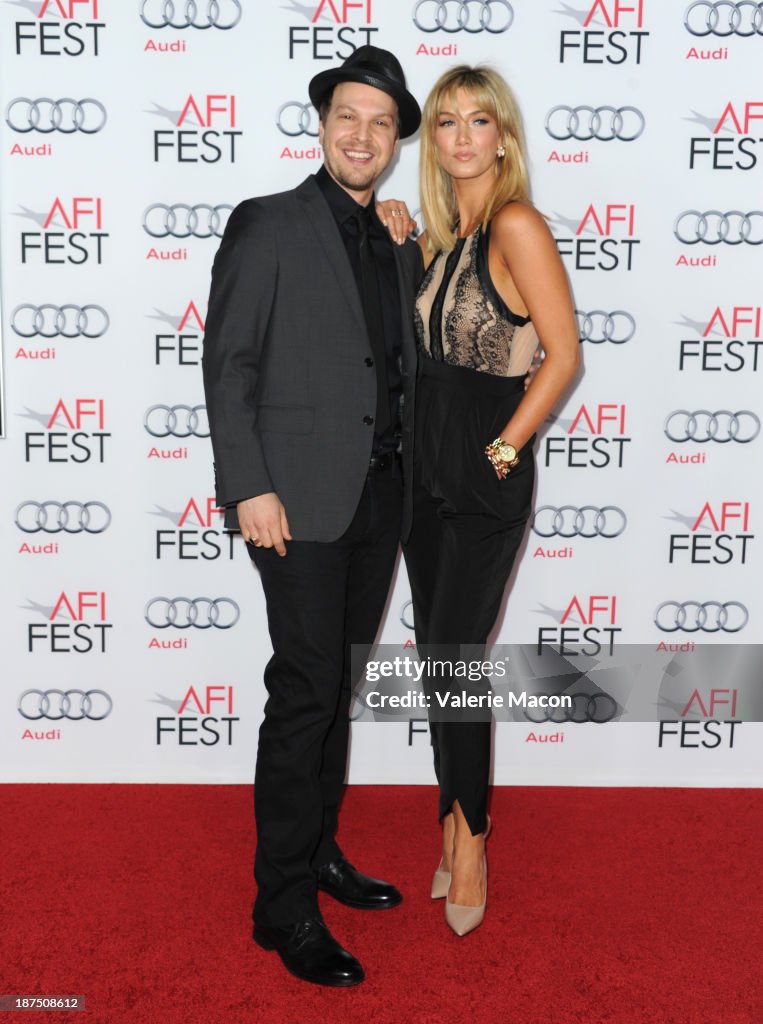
{"x": 134, "y": 635}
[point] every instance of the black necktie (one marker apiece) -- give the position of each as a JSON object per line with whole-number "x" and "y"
{"x": 373, "y": 313}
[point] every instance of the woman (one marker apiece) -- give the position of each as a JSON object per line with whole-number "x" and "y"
{"x": 494, "y": 285}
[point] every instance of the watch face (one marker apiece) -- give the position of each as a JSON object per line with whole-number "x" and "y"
{"x": 508, "y": 453}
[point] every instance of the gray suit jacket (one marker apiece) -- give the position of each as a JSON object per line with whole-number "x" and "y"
{"x": 287, "y": 386}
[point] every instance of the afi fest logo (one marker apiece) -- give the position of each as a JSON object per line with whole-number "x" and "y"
{"x": 204, "y": 717}
{"x": 182, "y": 345}
{"x": 718, "y": 535}
{"x": 730, "y": 342}
{"x": 335, "y": 29}
{"x": 204, "y": 131}
{"x": 602, "y": 443}
{"x": 614, "y": 228}
{"x": 62, "y": 28}
{"x": 587, "y": 619}
{"x": 197, "y": 532}
{"x": 70, "y": 232}
{"x": 733, "y": 140}
{"x": 75, "y": 624}
{"x": 610, "y": 33}
{"x": 73, "y": 433}
{"x": 706, "y": 720}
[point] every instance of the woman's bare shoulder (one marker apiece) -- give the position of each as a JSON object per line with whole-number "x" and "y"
{"x": 517, "y": 219}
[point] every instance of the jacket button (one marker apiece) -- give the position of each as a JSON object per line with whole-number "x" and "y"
{"x": 369, "y": 361}
{"x": 368, "y": 420}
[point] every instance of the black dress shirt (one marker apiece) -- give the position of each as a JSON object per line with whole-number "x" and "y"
{"x": 345, "y": 209}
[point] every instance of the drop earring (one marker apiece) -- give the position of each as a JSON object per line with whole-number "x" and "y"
{"x": 500, "y": 152}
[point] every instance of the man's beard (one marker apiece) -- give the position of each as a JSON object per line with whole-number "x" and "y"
{"x": 353, "y": 184}
{"x": 356, "y": 186}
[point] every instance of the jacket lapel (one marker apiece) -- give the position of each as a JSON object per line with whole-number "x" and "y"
{"x": 323, "y": 224}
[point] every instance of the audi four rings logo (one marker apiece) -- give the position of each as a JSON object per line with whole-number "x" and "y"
{"x": 713, "y": 227}
{"x": 722, "y": 426}
{"x": 182, "y": 221}
{"x": 175, "y": 421}
{"x": 586, "y": 707}
{"x": 406, "y": 614}
{"x": 222, "y": 14}
{"x": 598, "y": 326}
{"x": 587, "y": 521}
{"x": 63, "y": 516}
{"x": 294, "y": 118}
{"x": 724, "y": 18}
{"x": 474, "y": 16}
{"x": 707, "y": 617}
{"x": 64, "y": 115}
{"x": 199, "y": 612}
{"x": 72, "y": 704}
{"x": 67, "y": 321}
{"x": 602, "y": 123}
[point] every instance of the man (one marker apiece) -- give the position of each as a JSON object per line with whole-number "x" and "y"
{"x": 309, "y": 368}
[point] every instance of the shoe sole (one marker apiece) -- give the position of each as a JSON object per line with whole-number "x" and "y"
{"x": 339, "y": 983}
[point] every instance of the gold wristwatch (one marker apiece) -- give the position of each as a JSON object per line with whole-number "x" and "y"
{"x": 502, "y": 455}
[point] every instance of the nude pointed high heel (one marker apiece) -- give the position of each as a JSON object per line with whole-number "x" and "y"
{"x": 464, "y": 919}
{"x": 440, "y": 884}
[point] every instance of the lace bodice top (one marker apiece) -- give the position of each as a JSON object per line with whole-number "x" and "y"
{"x": 461, "y": 319}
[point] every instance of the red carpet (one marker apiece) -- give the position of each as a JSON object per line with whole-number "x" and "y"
{"x": 606, "y": 906}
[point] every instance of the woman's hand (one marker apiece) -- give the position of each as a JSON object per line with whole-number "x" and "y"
{"x": 394, "y": 215}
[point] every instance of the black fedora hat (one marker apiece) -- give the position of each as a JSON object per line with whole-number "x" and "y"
{"x": 379, "y": 68}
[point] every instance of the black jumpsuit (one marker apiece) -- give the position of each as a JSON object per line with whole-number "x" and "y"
{"x": 474, "y": 354}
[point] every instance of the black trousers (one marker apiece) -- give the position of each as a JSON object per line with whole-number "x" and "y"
{"x": 467, "y": 528}
{"x": 321, "y": 599}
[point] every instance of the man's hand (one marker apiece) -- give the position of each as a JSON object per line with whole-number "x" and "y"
{"x": 263, "y": 522}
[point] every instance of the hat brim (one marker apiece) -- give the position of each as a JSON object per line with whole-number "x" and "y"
{"x": 408, "y": 108}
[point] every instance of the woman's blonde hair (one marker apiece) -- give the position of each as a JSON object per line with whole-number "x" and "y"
{"x": 438, "y": 200}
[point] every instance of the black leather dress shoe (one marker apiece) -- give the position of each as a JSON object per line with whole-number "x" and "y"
{"x": 310, "y": 952}
{"x": 346, "y": 884}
